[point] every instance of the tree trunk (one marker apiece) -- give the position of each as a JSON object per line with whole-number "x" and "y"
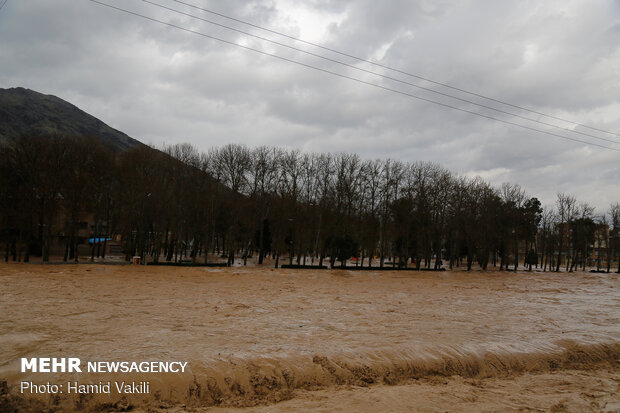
{"x": 95, "y": 242}
{"x": 66, "y": 256}
{"x": 516, "y": 254}
{"x": 75, "y": 248}
{"x": 609, "y": 255}
{"x": 557, "y": 268}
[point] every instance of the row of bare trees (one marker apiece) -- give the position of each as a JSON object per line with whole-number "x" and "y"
{"x": 45, "y": 186}
{"x": 234, "y": 201}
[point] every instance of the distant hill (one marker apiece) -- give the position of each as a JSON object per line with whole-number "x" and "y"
{"x": 24, "y": 112}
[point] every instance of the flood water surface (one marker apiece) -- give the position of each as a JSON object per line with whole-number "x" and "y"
{"x": 256, "y": 335}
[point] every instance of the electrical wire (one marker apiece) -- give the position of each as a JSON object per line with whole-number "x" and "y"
{"x": 379, "y": 74}
{"x": 393, "y": 69}
{"x": 347, "y": 77}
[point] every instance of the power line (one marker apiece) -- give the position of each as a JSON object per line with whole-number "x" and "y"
{"x": 1, "y": 6}
{"x": 379, "y": 74}
{"x": 394, "y": 69}
{"x": 347, "y": 77}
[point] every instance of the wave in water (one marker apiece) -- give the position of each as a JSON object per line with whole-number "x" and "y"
{"x": 259, "y": 381}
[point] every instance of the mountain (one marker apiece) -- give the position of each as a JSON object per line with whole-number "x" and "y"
{"x": 26, "y": 112}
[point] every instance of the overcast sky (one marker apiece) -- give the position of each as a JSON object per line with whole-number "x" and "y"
{"x": 163, "y": 85}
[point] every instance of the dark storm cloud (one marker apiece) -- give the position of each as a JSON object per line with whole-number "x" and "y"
{"x": 161, "y": 84}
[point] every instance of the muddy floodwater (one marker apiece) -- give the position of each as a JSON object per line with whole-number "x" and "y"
{"x": 316, "y": 339}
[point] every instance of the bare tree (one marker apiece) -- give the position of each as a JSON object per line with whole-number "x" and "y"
{"x": 614, "y": 244}
{"x": 234, "y": 161}
{"x": 582, "y": 232}
{"x": 546, "y": 236}
{"x": 262, "y": 181}
{"x": 371, "y": 181}
{"x": 84, "y": 158}
{"x": 513, "y": 197}
{"x": 565, "y": 205}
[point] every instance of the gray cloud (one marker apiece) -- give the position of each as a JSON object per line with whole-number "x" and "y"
{"x": 159, "y": 84}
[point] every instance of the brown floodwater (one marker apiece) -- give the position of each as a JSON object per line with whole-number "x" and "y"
{"x": 259, "y": 335}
